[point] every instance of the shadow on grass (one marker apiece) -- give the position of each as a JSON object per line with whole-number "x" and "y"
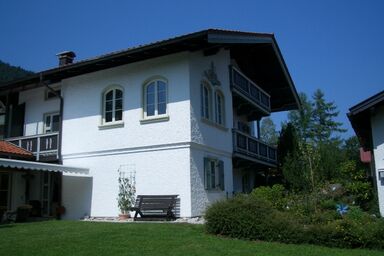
{"x": 6, "y": 225}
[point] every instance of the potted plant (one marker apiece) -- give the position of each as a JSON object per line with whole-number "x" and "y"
{"x": 126, "y": 197}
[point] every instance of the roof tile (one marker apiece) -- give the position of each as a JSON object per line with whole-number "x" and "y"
{"x": 11, "y": 149}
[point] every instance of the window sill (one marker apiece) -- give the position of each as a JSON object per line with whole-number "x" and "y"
{"x": 154, "y": 119}
{"x": 211, "y": 123}
{"x": 215, "y": 190}
{"x": 111, "y": 125}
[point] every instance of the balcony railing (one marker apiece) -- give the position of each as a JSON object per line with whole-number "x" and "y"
{"x": 43, "y": 146}
{"x": 250, "y": 147}
{"x": 246, "y": 88}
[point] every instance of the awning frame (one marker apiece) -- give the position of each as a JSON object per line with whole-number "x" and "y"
{"x": 39, "y": 166}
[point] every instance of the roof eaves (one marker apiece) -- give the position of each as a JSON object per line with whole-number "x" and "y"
{"x": 366, "y": 104}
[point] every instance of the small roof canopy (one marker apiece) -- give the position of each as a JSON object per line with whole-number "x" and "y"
{"x": 38, "y": 166}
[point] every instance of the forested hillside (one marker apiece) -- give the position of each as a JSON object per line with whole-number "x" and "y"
{"x": 8, "y": 72}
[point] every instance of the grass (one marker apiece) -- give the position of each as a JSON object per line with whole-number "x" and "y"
{"x": 87, "y": 238}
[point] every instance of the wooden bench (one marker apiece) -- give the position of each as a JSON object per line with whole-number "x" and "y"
{"x": 155, "y": 207}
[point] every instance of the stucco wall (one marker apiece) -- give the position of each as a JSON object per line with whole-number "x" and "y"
{"x": 158, "y": 171}
{"x": 202, "y": 132}
{"x": 200, "y": 197}
{"x": 35, "y": 108}
{"x": 83, "y": 106}
{"x": 377, "y": 123}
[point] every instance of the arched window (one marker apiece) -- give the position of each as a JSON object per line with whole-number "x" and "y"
{"x": 113, "y": 105}
{"x": 206, "y": 100}
{"x": 155, "y": 98}
{"x": 219, "y": 108}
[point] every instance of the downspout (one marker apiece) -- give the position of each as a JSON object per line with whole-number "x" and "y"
{"x": 61, "y": 117}
{"x": 60, "y": 184}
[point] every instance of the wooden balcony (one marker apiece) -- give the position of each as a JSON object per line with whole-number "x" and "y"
{"x": 45, "y": 147}
{"x": 250, "y": 148}
{"x": 247, "y": 90}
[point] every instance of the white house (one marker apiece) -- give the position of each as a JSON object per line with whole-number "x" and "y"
{"x": 367, "y": 119}
{"x": 174, "y": 115}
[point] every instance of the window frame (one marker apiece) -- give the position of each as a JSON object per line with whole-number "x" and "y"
{"x": 221, "y": 110}
{"x": 112, "y": 88}
{"x": 156, "y": 115}
{"x": 206, "y": 111}
{"x": 49, "y": 95}
{"x": 51, "y": 115}
{"x": 214, "y": 167}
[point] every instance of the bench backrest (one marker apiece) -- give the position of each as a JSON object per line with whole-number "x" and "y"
{"x": 155, "y": 202}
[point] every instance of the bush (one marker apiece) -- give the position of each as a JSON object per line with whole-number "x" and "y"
{"x": 274, "y": 195}
{"x": 254, "y": 218}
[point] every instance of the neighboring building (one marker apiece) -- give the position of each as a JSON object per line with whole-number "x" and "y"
{"x": 174, "y": 115}
{"x": 367, "y": 119}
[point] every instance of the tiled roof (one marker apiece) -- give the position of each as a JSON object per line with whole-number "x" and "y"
{"x": 7, "y": 148}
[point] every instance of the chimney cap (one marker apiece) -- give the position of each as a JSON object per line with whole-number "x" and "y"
{"x": 66, "y": 54}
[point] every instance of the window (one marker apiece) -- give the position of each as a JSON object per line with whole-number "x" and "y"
{"x": 213, "y": 174}
{"x": 113, "y": 105}
{"x": 206, "y": 100}
{"x": 2, "y": 120}
{"x": 219, "y": 108}
{"x": 51, "y": 122}
{"x": 155, "y": 97}
{"x": 49, "y": 94}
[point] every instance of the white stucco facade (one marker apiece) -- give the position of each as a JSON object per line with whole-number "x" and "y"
{"x": 377, "y": 124}
{"x": 166, "y": 156}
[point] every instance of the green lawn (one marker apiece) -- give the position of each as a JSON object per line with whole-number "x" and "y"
{"x": 86, "y": 238}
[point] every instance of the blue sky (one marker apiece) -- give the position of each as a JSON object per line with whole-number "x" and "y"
{"x": 333, "y": 45}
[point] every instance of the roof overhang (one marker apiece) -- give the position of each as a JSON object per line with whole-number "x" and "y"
{"x": 38, "y": 166}
{"x": 258, "y": 54}
{"x": 360, "y": 118}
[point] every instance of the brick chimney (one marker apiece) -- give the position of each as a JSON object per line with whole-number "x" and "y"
{"x": 66, "y": 57}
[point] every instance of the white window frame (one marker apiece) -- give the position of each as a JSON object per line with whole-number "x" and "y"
{"x": 206, "y": 111}
{"x": 156, "y": 114}
{"x": 48, "y": 129}
{"x": 219, "y": 110}
{"x": 103, "y": 98}
{"x": 214, "y": 179}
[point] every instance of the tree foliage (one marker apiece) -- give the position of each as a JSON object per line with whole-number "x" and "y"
{"x": 268, "y": 131}
{"x": 301, "y": 119}
{"x": 322, "y": 120}
{"x": 8, "y": 72}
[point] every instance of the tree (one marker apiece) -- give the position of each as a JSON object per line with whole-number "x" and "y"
{"x": 8, "y": 72}
{"x": 287, "y": 142}
{"x": 301, "y": 119}
{"x": 268, "y": 131}
{"x": 322, "y": 123}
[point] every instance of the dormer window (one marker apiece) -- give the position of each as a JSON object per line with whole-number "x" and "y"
{"x": 113, "y": 105}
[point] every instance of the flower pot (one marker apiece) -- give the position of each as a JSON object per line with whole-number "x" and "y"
{"x": 124, "y": 216}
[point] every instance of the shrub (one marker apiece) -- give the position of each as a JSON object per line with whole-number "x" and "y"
{"x": 253, "y": 218}
{"x": 274, "y": 195}
{"x": 250, "y": 217}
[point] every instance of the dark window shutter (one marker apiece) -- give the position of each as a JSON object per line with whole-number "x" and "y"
{"x": 17, "y": 122}
{"x": 207, "y": 173}
{"x": 202, "y": 99}
{"x": 221, "y": 175}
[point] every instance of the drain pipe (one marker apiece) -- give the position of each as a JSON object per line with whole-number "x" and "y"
{"x": 60, "y": 158}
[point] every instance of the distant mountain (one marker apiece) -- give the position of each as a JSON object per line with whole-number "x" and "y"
{"x": 8, "y": 72}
